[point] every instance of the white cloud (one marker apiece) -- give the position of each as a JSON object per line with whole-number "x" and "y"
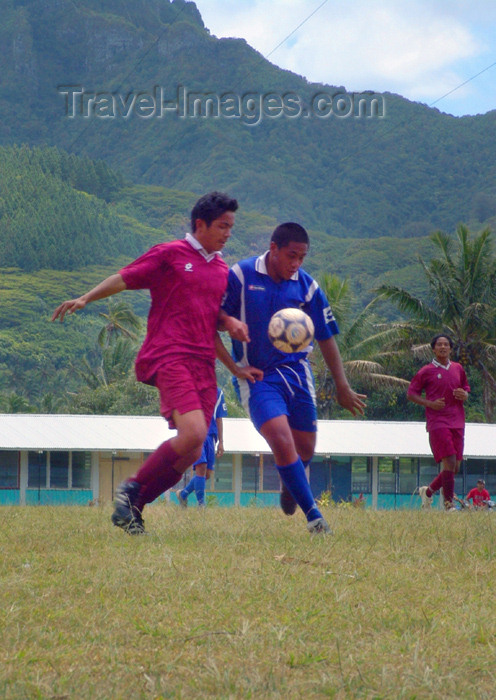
{"x": 416, "y": 48}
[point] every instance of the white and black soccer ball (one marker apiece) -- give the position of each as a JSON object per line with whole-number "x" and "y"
{"x": 290, "y": 330}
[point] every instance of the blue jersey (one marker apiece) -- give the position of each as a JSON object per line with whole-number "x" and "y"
{"x": 253, "y": 297}
{"x": 220, "y": 411}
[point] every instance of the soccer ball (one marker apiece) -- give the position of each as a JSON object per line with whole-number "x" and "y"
{"x": 290, "y": 330}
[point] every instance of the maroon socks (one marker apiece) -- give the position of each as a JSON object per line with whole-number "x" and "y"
{"x": 446, "y": 480}
{"x": 157, "y": 474}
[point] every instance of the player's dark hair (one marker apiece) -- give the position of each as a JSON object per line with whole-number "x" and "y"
{"x": 288, "y": 233}
{"x": 441, "y": 335}
{"x": 211, "y": 206}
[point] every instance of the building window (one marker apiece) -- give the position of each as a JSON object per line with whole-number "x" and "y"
{"x": 37, "y": 470}
{"x": 361, "y": 474}
{"x": 428, "y": 469}
{"x": 407, "y": 474}
{"x": 9, "y": 469}
{"x": 59, "y": 470}
{"x": 271, "y": 480}
{"x": 490, "y": 477}
{"x": 81, "y": 470}
{"x": 387, "y": 475}
{"x": 250, "y": 472}
{"x": 223, "y": 473}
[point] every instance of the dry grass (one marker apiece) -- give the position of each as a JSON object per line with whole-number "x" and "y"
{"x": 243, "y": 603}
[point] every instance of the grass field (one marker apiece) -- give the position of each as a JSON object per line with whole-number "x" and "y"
{"x": 244, "y": 603}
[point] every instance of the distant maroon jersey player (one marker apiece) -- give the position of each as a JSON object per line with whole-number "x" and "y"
{"x": 446, "y": 388}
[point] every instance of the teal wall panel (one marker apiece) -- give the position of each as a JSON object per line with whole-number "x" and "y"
{"x": 9, "y": 497}
{"x": 53, "y": 497}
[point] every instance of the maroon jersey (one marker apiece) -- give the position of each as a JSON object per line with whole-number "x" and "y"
{"x": 478, "y": 497}
{"x": 439, "y": 382}
{"x": 186, "y": 288}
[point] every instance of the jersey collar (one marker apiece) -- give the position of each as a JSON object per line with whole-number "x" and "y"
{"x": 261, "y": 266}
{"x": 194, "y": 243}
{"x": 438, "y": 364}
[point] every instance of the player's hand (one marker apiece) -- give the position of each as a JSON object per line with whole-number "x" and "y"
{"x": 460, "y": 394}
{"x": 349, "y": 399}
{"x": 237, "y": 329}
{"x": 438, "y": 404}
{"x": 68, "y": 307}
{"x": 251, "y": 374}
{"x": 220, "y": 449}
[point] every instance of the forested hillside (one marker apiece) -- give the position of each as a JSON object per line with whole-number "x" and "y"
{"x": 404, "y": 173}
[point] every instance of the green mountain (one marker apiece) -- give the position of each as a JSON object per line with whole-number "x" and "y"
{"x": 93, "y": 76}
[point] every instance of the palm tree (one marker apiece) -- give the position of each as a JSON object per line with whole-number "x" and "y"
{"x": 462, "y": 284}
{"x": 362, "y": 341}
{"x": 120, "y": 321}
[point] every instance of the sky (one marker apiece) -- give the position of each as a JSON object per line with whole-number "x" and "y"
{"x": 420, "y": 49}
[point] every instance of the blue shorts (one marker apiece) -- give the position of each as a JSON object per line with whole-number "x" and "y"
{"x": 288, "y": 391}
{"x": 208, "y": 453}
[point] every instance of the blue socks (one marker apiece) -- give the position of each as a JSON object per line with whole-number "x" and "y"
{"x": 188, "y": 488}
{"x": 200, "y": 489}
{"x": 295, "y": 480}
{"x": 196, "y": 484}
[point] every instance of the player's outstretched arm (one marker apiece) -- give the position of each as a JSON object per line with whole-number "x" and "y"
{"x": 252, "y": 374}
{"x": 347, "y": 398}
{"x": 112, "y": 285}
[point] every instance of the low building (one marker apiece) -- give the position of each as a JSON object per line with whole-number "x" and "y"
{"x": 74, "y": 459}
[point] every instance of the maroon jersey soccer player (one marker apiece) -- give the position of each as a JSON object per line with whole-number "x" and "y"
{"x": 187, "y": 280}
{"x": 446, "y": 389}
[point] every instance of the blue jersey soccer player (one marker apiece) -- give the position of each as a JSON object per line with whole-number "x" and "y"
{"x": 212, "y": 447}
{"x": 282, "y": 405}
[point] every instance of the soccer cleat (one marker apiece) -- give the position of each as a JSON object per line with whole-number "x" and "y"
{"x": 126, "y": 515}
{"x": 319, "y": 527}
{"x": 426, "y": 500}
{"x": 288, "y": 503}
{"x": 449, "y": 507}
{"x": 183, "y": 502}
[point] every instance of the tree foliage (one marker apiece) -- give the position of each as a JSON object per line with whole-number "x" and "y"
{"x": 461, "y": 303}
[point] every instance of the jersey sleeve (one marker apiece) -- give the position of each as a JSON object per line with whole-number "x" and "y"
{"x": 221, "y": 408}
{"x": 417, "y": 384}
{"x": 231, "y": 303}
{"x": 464, "y": 381}
{"x": 141, "y": 273}
{"x": 319, "y": 310}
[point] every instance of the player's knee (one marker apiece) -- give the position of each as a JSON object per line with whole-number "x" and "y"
{"x": 191, "y": 440}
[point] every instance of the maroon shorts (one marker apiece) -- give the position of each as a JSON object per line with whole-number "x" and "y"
{"x": 445, "y": 442}
{"x": 187, "y": 384}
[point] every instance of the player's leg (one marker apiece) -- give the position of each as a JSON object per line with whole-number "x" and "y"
{"x": 182, "y": 494}
{"x": 444, "y": 452}
{"x": 305, "y": 447}
{"x": 278, "y": 435}
{"x": 160, "y": 471}
{"x": 204, "y": 469}
{"x": 187, "y": 398}
{"x": 448, "y": 474}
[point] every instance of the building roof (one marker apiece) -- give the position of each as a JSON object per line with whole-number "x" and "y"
{"x": 143, "y": 434}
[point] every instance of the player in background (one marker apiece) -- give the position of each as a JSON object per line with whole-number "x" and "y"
{"x": 212, "y": 447}
{"x": 282, "y": 405}
{"x": 187, "y": 280}
{"x": 446, "y": 389}
{"x": 479, "y": 495}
